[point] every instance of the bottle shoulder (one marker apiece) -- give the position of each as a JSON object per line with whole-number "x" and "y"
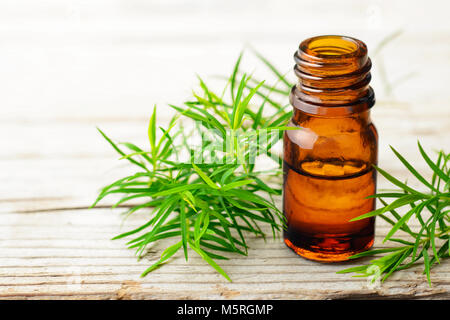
{"x": 331, "y": 139}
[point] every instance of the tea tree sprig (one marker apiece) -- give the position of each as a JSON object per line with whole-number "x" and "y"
{"x": 430, "y": 243}
{"x": 205, "y": 207}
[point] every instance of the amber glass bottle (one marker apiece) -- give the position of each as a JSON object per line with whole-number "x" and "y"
{"x": 328, "y": 162}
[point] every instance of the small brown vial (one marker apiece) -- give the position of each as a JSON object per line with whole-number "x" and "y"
{"x": 328, "y": 170}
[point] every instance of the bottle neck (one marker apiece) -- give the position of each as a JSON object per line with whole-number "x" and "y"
{"x": 334, "y": 76}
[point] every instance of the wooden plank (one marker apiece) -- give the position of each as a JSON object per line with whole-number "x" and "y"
{"x": 58, "y": 262}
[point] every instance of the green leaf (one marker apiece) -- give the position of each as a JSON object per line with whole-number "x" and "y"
{"x": 201, "y": 226}
{"x": 152, "y": 129}
{"x": 210, "y": 261}
{"x": 169, "y": 252}
{"x": 395, "y": 204}
{"x": 162, "y": 216}
{"x": 273, "y": 69}
{"x": 394, "y": 266}
{"x": 178, "y": 189}
{"x": 403, "y": 220}
{"x": 184, "y": 228}
{"x": 236, "y": 184}
{"x": 242, "y": 107}
{"x": 138, "y": 151}
{"x": 353, "y": 269}
{"x": 412, "y": 170}
{"x": 282, "y": 120}
{"x": 205, "y": 178}
{"x": 120, "y": 151}
{"x": 234, "y": 115}
{"x": 258, "y": 120}
{"x": 126, "y": 234}
{"x": 397, "y": 216}
{"x": 396, "y": 181}
{"x": 433, "y": 166}
{"x": 426, "y": 260}
{"x": 233, "y": 75}
{"x": 209, "y": 118}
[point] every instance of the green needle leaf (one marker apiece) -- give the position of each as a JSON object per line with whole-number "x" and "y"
{"x": 178, "y": 189}
{"x": 233, "y": 75}
{"x": 412, "y": 170}
{"x": 396, "y": 204}
{"x": 120, "y": 151}
{"x": 184, "y": 228}
{"x": 204, "y": 177}
{"x": 169, "y": 252}
{"x": 396, "y": 181}
{"x": 426, "y": 260}
{"x": 152, "y": 129}
{"x": 236, "y": 184}
{"x": 434, "y": 167}
{"x": 273, "y": 69}
{"x": 210, "y": 261}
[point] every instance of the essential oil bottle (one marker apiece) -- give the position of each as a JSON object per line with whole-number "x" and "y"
{"x": 328, "y": 162}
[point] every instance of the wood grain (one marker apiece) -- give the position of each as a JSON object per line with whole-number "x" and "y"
{"x": 70, "y": 66}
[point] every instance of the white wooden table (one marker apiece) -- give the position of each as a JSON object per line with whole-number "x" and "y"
{"x": 69, "y": 66}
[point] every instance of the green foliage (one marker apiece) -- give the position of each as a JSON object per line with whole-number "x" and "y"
{"x": 431, "y": 242}
{"x": 207, "y": 207}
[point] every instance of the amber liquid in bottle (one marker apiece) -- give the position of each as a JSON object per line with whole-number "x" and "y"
{"x": 328, "y": 171}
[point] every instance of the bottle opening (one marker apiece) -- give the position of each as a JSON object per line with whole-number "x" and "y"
{"x": 333, "y": 47}
{"x": 333, "y": 71}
